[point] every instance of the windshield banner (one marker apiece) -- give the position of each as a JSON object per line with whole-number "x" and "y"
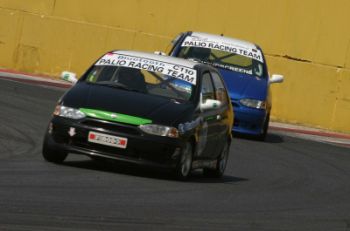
{"x": 169, "y": 69}
{"x": 238, "y": 49}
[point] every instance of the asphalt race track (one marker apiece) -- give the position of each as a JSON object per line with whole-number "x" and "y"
{"x": 283, "y": 184}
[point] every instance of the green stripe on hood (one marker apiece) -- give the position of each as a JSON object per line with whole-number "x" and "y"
{"x": 115, "y": 117}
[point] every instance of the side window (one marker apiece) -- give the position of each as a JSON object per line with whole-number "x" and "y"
{"x": 207, "y": 88}
{"x": 99, "y": 73}
{"x": 220, "y": 91}
{"x": 184, "y": 52}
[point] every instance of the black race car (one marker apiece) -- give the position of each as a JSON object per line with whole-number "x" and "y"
{"x": 146, "y": 109}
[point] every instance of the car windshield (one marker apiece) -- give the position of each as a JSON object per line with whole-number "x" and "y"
{"x": 138, "y": 80}
{"x": 223, "y": 59}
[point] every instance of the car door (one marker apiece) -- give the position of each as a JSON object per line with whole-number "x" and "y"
{"x": 206, "y": 139}
{"x": 221, "y": 126}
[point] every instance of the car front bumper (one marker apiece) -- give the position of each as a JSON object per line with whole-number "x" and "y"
{"x": 141, "y": 148}
{"x": 249, "y": 121}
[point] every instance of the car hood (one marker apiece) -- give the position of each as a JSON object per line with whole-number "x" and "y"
{"x": 98, "y": 97}
{"x": 242, "y": 85}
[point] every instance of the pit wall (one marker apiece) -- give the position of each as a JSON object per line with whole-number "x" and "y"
{"x": 306, "y": 41}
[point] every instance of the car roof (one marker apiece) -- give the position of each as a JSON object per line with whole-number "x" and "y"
{"x": 223, "y": 39}
{"x": 175, "y": 67}
{"x": 161, "y": 58}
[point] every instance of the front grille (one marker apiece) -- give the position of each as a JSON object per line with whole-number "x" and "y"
{"x": 116, "y": 127}
{"x": 135, "y": 149}
{"x": 107, "y": 150}
{"x": 243, "y": 124}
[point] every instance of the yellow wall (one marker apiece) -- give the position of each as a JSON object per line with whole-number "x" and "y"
{"x": 307, "y": 41}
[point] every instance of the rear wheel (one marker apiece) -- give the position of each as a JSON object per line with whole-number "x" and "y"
{"x": 220, "y": 164}
{"x": 53, "y": 155}
{"x": 184, "y": 166}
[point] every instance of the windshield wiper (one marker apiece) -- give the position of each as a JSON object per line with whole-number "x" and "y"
{"x": 117, "y": 85}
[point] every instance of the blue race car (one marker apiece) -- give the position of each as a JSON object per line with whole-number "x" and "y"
{"x": 243, "y": 67}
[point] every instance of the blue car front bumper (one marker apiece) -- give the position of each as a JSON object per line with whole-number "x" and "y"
{"x": 249, "y": 121}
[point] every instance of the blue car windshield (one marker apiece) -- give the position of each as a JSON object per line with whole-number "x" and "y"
{"x": 223, "y": 59}
{"x": 147, "y": 82}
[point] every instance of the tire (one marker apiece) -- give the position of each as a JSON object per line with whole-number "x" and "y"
{"x": 263, "y": 135}
{"x": 53, "y": 155}
{"x": 184, "y": 167}
{"x": 221, "y": 163}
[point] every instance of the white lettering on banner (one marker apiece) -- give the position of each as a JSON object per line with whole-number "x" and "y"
{"x": 173, "y": 70}
{"x": 231, "y": 48}
{"x": 231, "y": 68}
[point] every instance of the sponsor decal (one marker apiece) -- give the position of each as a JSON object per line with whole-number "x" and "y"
{"x": 203, "y": 132}
{"x": 72, "y": 132}
{"x": 169, "y": 69}
{"x": 192, "y": 41}
{"x": 232, "y": 68}
{"x": 184, "y": 127}
{"x": 115, "y": 117}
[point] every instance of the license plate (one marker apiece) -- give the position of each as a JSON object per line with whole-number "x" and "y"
{"x": 114, "y": 141}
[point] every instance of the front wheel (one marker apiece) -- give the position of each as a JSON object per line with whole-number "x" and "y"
{"x": 220, "y": 164}
{"x": 184, "y": 167}
{"x": 263, "y": 135}
{"x": 53, "y": 155}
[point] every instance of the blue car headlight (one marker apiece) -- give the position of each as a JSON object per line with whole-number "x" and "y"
{"x": 68, "y": 112}
{"x": 253, "y": 103}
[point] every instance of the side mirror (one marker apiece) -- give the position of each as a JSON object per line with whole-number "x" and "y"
{"x": 160, "y": 53}
{"x": 275, "y": 78}
{"x": 210, "y": 104}
{"x": 69, "y": 77}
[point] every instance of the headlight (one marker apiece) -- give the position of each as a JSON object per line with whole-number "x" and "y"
{"x": 160, "y": 130}
{"x": 68, "y": 112}
{"x": 253, "y": 103}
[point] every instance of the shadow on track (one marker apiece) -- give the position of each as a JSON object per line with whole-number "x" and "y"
{"x": 274, "y": 138}
{"x": 145, "y": 172}
{"x": 198, "y": 177}
{"x": 270, "y": 138}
